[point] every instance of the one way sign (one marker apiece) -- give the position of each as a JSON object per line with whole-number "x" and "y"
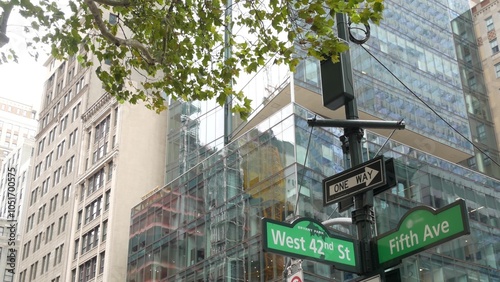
{"x": 366, "y": 176}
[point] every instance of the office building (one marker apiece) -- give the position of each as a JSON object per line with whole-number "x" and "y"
{"x": 17, "y": 123}
{"x": 93, "y": 160}
{"x": 487, "y": 26}
{"x": 205, "y": 223}
{"x": 15, "y": 176}
{"x": 7, "y": 252}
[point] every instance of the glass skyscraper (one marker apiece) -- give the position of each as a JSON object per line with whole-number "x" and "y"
{"x": 205, "y": 223}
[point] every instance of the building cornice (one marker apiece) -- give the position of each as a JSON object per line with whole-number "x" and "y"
{"x": 102, "y": 105}
{"x": 483, "y": 7}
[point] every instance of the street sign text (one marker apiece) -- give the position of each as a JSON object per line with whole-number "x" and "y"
{"x": 308, "y": 239}
{"x": 422, "y": 228}
{"x": 368, "y": 175}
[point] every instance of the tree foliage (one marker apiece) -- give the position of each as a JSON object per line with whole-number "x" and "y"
{"x": 179, "y": 47}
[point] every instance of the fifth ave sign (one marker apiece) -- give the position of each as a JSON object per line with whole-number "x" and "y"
{"x": 366, "y": 176}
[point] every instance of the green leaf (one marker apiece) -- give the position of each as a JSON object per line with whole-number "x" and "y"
{"x": 178, "y": 49}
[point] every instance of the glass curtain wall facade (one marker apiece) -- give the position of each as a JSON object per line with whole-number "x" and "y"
{"x": 415, "y": 42}
{"x": 476, "y": 97}
{"x": 430, "y": 47}
{"x": 206, "y": 224}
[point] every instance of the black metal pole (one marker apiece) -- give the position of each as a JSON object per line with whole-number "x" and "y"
{"x": 362, "y": 215}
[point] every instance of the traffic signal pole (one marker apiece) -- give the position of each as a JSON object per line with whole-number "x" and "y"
{"x": 342, "y": 93}
{"x": 363, "y": 215}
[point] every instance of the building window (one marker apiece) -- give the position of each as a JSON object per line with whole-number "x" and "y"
{"x": 489, "y": 24}
{"x": 41, "y": 213}
{"x": 116, "y": 116}
{"x": 26, "y": 250}
{"x": 45, "y": 263}
{"x": 77, "y": 241}
{"x": 62, "y": 223}
{"x": 76, "y": 111}
{"x": 79, "y": 221}
{"x": 22, "y": 276}
{"x": 48, "y": 160}
{"x": 481, "y": 132}
{"x": 66, "y": 100}
{"x": 8, "y": 276}
{"x": 107, "y": 197}
{"x": 110, "y": 170}
{"x": 60, "y": 149}
{"x": 56, "y": 254}
{"x": 102, "y": 128}
{"x": 53, "y": 204}
{"x": 50, "y": 232}
{"x": 57, "y": 176}
{"x": 64, "y": 123}
{"x": 69, "y": 165}
{"x": 88, "y": 270}
{"x": 113, "y": 19}
{"x": 471, "y": 162}
{"x": 90, "y": 239}
{"x": 101, "y": 263}
{"x": 30, "y": 221}
{"x": 497, "y": 70}
{"x": 45, "y": 186}
{"x": 65, "y": 194}
{"x": 472, "y": 81}
{"x": 37, "y": 242}
{"x": 104, "y": 230}
{"x": 82, "y": 192}
{"x": 52, "y": 135}
{"x": 33, "y": 269}
{"x": 494, "y": 46}
{"x": 41, "y": 145}
{"x": 72, "y": 138}
{"x": 100, "y": 152}
{"x": 93, "y": 210}
{"x": 485, "y": 156}
{"x": 96, "y": 181}
{"x": 59, "y": 258}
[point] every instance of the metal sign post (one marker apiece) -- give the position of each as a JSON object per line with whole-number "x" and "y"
{"x": 339, "y": 94}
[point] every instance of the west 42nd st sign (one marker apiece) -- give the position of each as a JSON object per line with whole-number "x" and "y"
{"x": 366, "y": 176}
{"x": 307, "y": 238}
{"x": 422, "y": 228}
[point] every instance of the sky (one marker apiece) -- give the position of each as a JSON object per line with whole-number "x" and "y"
{"x": 21, "y": 82}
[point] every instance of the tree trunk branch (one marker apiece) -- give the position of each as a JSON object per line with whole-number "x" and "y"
{"x": 115, "y": 3}
{"x": 4, "y": 19}
{"x": 96, "y": 12}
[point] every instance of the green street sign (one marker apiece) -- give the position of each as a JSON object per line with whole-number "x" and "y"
{"x": 307, "y": 238}
{"x": 422, "y": 228}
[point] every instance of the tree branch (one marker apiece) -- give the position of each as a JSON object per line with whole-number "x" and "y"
{"x": 96, "y": 13}
{"x": 115, "y": 3}
{"x": 4, "y": 18}
{"x": 167, "y": 19}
